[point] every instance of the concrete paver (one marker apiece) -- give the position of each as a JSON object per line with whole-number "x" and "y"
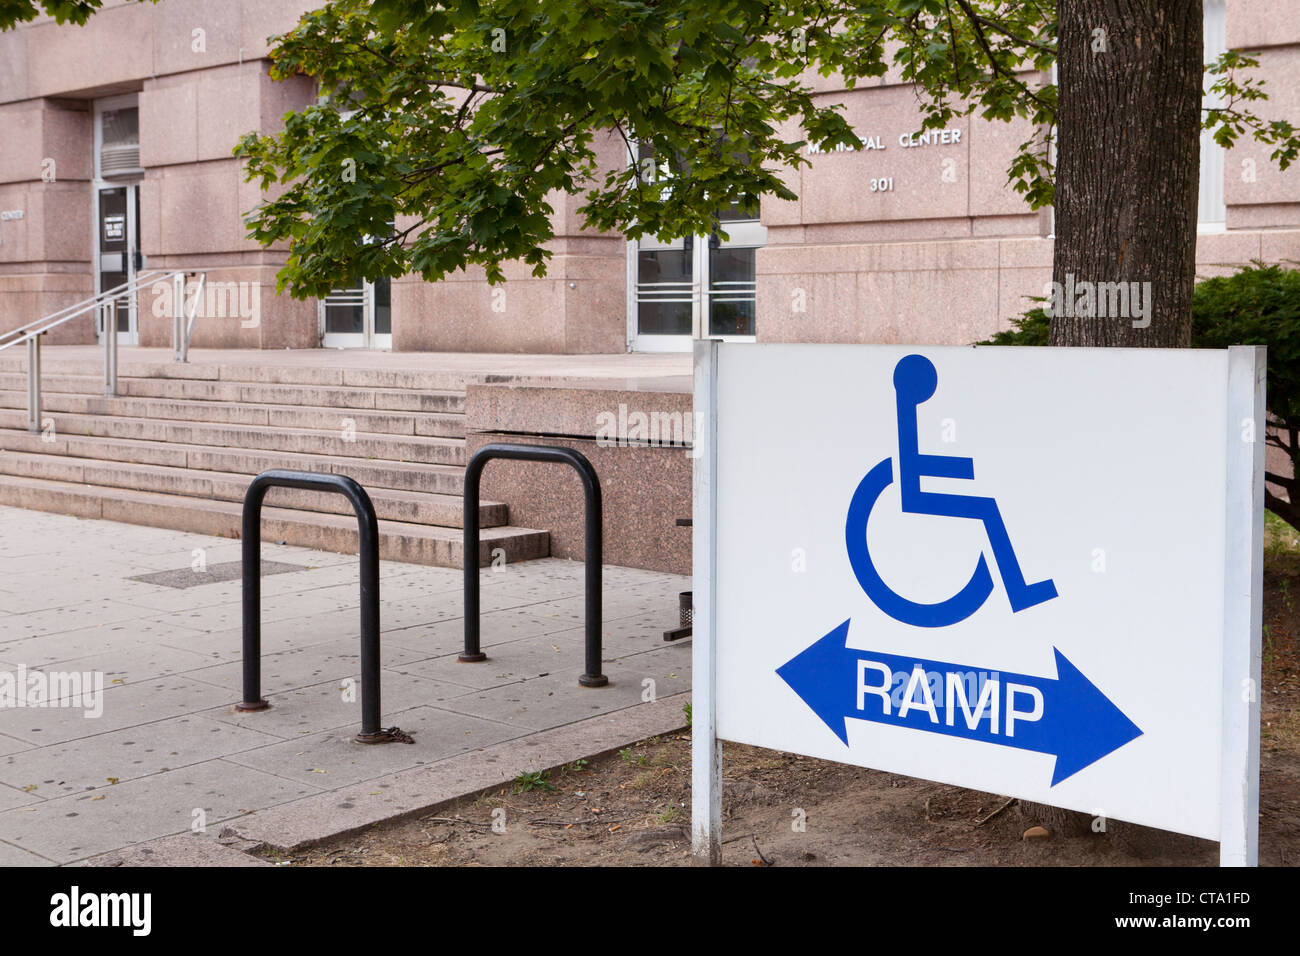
{"x": 333, "y": 757}
{"x": 168, "y": 754}
{"x": 124, "y": 705}
{"x": 545, "y": 702}
{"x": 88, "y": 763}
{"x": 74, "y": 827}
{"x": 14, "y": 856}
{"x": 314, "y": 818}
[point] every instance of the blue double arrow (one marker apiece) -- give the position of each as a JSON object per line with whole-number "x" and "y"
{"x": 1078, "y": 724}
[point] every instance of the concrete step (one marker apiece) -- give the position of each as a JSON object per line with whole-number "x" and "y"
{"x": 401, "y": 476}
{"x": 445, "y": 511}
{"x": 399, "y": 541}
{"x": 179, "y": 444}
{"x": 390, "y": 399}
{"x": 428, "y": 424}
{"x": 335, "y": 443}
{"x": 435, "y": 380}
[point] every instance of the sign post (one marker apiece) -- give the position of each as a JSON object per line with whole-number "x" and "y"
{"x": 1035, "y": 572}
{"x": 706, "y": 749}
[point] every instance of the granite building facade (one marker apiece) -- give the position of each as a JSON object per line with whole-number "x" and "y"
{"x": 115, "y": 157}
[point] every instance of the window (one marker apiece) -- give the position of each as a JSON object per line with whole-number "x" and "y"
{"x": 1212, "y": 211}
{"x": 696, "y": 287}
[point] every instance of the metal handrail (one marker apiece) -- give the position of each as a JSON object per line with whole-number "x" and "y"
{"x": 106, "y": 303}
{"x": 25, "y": 332}
{"x": 183, "y": 328}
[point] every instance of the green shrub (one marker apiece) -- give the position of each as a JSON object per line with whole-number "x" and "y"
{"x": 1030, "y": 329}
{"x": 1260, "y": 305}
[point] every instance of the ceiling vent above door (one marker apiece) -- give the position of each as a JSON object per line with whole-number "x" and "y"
{"x": 119, "y": 142}
{"x": 116, "y": 160}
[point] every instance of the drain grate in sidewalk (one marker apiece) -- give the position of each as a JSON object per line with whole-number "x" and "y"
{"x": 214, "y": 574}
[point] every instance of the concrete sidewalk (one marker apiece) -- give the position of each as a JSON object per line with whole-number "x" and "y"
{"x": 168, "y": 753}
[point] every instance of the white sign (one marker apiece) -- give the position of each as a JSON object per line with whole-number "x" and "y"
{"x": 114, "y": 227}
{"x": 1034, "y": 572}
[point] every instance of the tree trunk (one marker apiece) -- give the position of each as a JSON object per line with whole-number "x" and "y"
{"x": 1127, "y": 175}
{"x": 1129, "y": 76}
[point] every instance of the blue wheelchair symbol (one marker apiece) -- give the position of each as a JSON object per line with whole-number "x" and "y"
{"x": 915, "y": 381}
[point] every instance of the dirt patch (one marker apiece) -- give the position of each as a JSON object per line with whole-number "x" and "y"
{"x": 632, "y": 807}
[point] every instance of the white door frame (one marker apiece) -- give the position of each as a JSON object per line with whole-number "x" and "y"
{"x": 130, "y": 181}
{"x": 367, "y": 338}
{"x": 636, "y": 342}
{"x": 744, "y": 234}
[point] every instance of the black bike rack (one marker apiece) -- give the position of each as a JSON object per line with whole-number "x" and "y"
{"x": 368, "y": 526}
{"x": 593, "y": 537}
{"x": 685, "y": 605}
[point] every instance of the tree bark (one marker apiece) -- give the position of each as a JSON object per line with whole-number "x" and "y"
{"x": 1127, "y": 175}
{"x": 1129, "y": 76}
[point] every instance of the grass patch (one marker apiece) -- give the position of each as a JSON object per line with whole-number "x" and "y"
{"x": 1279, "y": 537}
{"x": 537, "y": 780}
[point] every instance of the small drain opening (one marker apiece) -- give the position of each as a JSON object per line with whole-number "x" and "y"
{"x": 215, "y": 574}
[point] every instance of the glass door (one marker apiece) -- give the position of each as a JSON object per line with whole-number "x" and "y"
{"x": 665, "y": 297}
{"x": 381, "y": 314}
{"x": 118, "y": 254}
{"x": 697, "y": 287}
{"x": 359, "y": 316}
{"x": 729, "y": 298}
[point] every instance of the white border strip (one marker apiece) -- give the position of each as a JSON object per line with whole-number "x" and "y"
{"x": 1243, "y": 586}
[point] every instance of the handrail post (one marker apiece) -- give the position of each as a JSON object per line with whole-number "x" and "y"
{"x": 178, "y": 315}
{"x": 34, "y": 384}
{"x": 187, "y": 328}
{"x": 368, "y": 532}
{"x": 93, "y": 305}
{"x": 110, "y": 348}
{"x": 593, "y": 538}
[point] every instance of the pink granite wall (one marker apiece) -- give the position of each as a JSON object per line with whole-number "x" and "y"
{"x": 45, "y": 146}
{"x": 194, "y": 197}
{"x": 201, "y": 75}
{"x": 644, "y": 488}
{"x": 579, "y": 307}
